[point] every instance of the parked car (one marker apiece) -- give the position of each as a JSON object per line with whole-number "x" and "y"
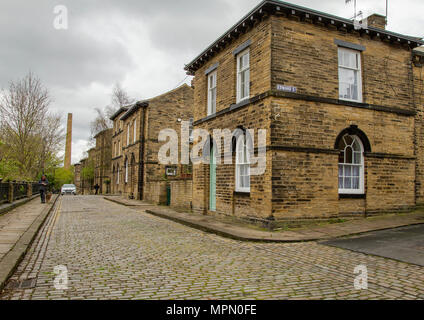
{"x": 69, "y": 189}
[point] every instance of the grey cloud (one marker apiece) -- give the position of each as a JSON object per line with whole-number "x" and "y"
{"x": 65, "y": 57}
{"x": 70, "y": 62}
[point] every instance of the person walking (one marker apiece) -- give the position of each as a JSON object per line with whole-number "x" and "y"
{"x": 97, "y": 187}
{"x": 43, "y": 188}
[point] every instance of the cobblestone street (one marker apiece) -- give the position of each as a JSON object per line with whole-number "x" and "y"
{"x": 115, "y": 252}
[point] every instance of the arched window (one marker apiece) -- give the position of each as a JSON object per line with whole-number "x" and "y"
{"x": 132, "y": 173}
{"x": 242, "y": 164}
{"x": 135, "y": 131}
{"x": 128, "y": 134}
{"x": 351, "y": 165}
{"x": 126, "y": 170}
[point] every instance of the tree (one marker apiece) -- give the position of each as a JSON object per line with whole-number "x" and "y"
{"x": 102, "y": 121}
{"x": 63, "y": 176}
{"x": 87, "y": 174}
{"x": 120, "y": 97}
{"x": 31, "y": 134}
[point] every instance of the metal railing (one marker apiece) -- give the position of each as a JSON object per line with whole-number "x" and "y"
{"x": 4, "y": 193}
{"x": 15, "y": 190}
{"x": 35, "y": 188}
{"x": 20, "y": 190}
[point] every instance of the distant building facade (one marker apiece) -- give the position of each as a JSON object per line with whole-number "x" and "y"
{"x": 103, "y": 160}
{"x": 136, "y": 171}
{"x": 77, "y": 177}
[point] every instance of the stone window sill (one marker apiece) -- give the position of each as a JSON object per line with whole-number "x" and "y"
{"x": 352, "y": 196}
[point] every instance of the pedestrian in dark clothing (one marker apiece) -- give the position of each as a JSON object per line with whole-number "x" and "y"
{"x": 43, "y": 188}
{"x": 97, "y": 187}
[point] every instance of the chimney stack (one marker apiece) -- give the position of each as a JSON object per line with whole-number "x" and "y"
{"x": 377, "y": 21}
{"x": 68, "y": 149}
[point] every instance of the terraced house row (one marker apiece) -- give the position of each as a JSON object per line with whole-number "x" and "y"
{"x": 341, "y": 102}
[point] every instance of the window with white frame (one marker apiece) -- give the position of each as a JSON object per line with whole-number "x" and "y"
{"x": 212, "y": 93}
{"x": 243, "y": 75}
{"x": 242, "y": 165}
{"x": 350, "y": 78}
{"x": 126, "y": 170}
{"x": 190, "y": 130}
{"x": 351, "y": 165}
{"x": 135, "y": 131}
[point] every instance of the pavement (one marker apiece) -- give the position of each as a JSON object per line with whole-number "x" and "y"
{"x": 18, "y": 227}
{"x": 246, "y": 233}
{"x": 404, "y": 244}
{"x": 6, "y": 207}
{"x": 109, "y": 251}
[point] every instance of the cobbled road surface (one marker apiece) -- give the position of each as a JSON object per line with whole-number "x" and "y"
{"x": 115, "y": 252}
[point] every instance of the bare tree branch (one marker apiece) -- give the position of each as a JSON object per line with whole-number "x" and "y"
{"x": 120, "y": 97}
{"x": 32, "y": 135}
{"x": 102, "y": 121}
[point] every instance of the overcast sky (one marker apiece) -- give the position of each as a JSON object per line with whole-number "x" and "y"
{"x": 142, "y": 44}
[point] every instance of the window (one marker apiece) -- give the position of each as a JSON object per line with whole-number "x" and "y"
{"x": 243, "y": 75}
{"x": 171, "y": 171}
{"x": 119, "y": 147}
{"x": 350, "y": 78}
{"x": 351, "y": 165}
{"x": 212, "y": 93}
{"x": 190, "y": 130}
{"x": 128, "y": 134}
{"x": 135, "y": 131}
{"x": 117, "y": 175}
{"x": 242, "y": 165}
{"x": 126, "y": 170}
{"x": 114, "y": 149}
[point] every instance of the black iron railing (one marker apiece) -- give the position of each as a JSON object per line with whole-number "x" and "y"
{"x": 35, "y": 188}
{"x": 4, "y": 193}
{"x": 20, "y": 190}
{"x": 16, "y": 190}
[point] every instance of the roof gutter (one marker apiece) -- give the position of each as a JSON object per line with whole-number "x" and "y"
{"x": 275, "y": 7}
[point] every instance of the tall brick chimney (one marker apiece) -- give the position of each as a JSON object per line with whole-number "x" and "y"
{"x": 68, "y": 148}
{"x": 377, "y": 21}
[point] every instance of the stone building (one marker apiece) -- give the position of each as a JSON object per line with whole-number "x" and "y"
{"x": 77, "y": 177}
{"x": 136, "y": 171}
{"x": 84, "y": 173}
{"x": 117, "y": 140}
{"x": 342, "y": 107}
{"x": 103, "y": 158}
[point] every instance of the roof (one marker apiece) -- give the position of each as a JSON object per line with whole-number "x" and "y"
{"x": 133, "y": 109}
{"x": 275, "y": 7}
{"x": 101, "y": 132}
{"x": 419, "y": 51}
{"x": 145, "y": 103}
{"x": 117, "y": 113}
